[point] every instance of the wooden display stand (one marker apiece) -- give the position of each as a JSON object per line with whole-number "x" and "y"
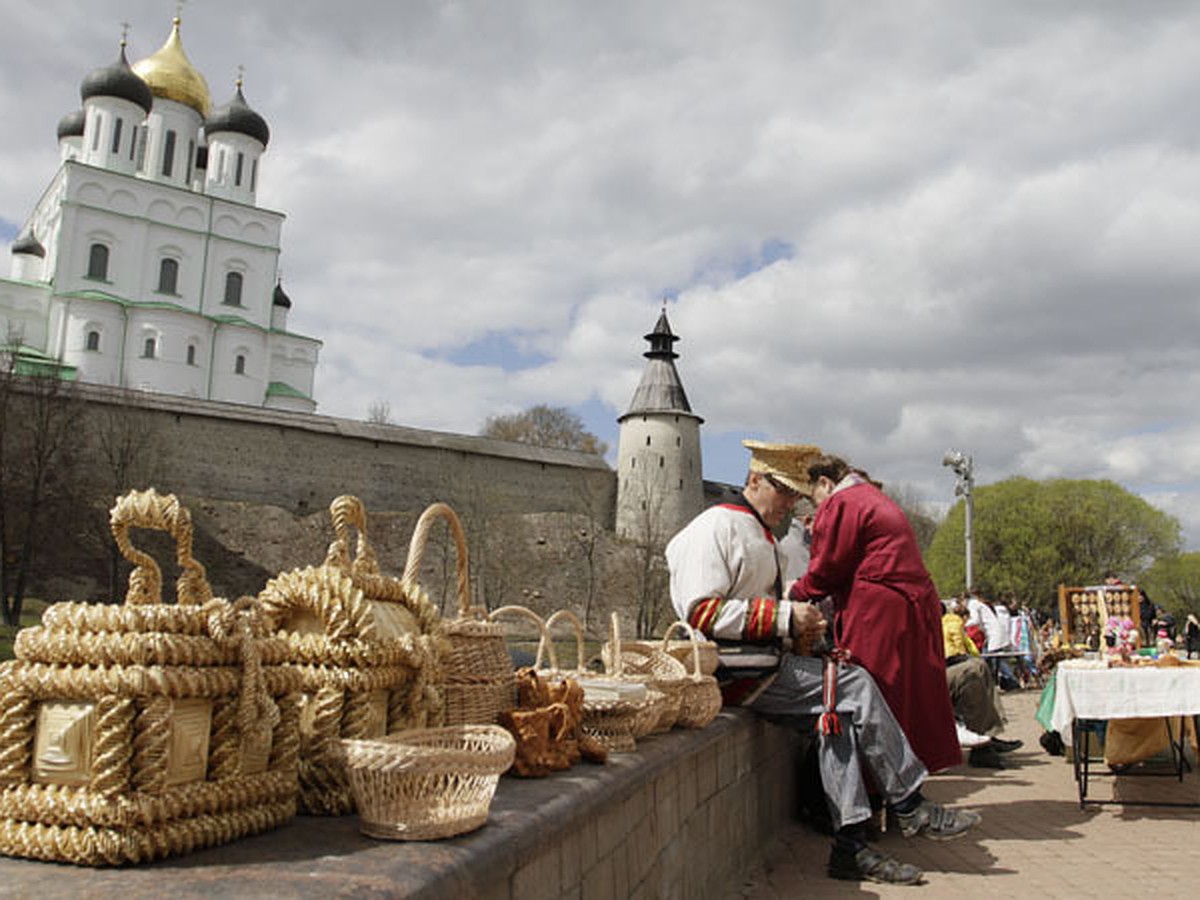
{"x": 1084, "y": 610}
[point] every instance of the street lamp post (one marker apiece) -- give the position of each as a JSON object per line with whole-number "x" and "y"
{"x": 964, "y": 468}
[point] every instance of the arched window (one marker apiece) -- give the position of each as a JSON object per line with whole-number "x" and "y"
{"x": 233, "y": 289}
{"x": 168, "y": 276}
{"x": 239, "y": 365}
{"x": 149, "y": 348}
{"x": 191, "y": 354}
{"x": 93, "y": 340}
{"x": 168, "y": 154}
{"x": 116, "y": 143}
{"x": 98, "y": 262}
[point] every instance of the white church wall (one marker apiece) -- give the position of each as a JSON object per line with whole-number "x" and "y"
{"x": 93, "y": 338}
{"x": 23, "y": 313}
{"x": 249, "y": 385}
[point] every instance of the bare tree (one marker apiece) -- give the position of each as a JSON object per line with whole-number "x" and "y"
{"x": 650, "y": 580}
{"x": 591, "y": 499}
{"x": 128, "y": 448}
{"x": 545, "y": 426}
{"x": 37, "y": 426}
{"x": 379, "y": 412}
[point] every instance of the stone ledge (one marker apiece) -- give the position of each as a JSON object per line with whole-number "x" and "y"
{"x": 680, "y": 817}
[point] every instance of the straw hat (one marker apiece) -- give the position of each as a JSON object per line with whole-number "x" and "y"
{"x": 787, "y": 462}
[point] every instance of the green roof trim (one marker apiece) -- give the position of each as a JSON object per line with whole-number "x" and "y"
{"x": 31, "y": 362}
{"x": 280, "y": 389}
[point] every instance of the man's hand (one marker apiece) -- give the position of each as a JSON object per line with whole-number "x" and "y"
{"x": 807, "y": 623}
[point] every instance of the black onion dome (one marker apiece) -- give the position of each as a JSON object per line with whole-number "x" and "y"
{"x": 71, "y": 125}
{"x": 117, "y": 80}
{"x": 28, "y": 244}
{"x": 279, "y": 298}
{"x": 237, "y": 116}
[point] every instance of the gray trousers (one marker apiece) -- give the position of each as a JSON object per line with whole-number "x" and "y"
{"x": 870, "y": 735}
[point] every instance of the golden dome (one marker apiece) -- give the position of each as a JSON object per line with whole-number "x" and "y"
{"x": 171, "y": 74}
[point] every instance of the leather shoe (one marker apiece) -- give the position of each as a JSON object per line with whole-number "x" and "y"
{"x": 1002, "y": 746}
{"x": 985, "y": 758}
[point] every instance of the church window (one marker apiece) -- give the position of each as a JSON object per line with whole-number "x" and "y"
{"x": 253, "y": 173}
{"x": 678, "y": 441}
{"x": 647, "y": 440}
{"x": 681, "y": 484}
{"x": 133, "y": 142}
{"x": 220, "y": 166}
{"x": 233, "y": 289}
{"x": 96, "y": 123}
{"x": 168, "y": 276}
{"x": 239, "y": 365}
{"x": 633, "y": 463}
{"x": 662, "y": 461}
{"x": 168, "y": 164}
{"x": 116, "y": 144}
{"x": 191, "y": 354}
{"x": 97, "y": 262}
{"x": 237, "y": 172}
{"x": 93, "y": 340}
{"x": 149, "y": 348}
{"x": 143, "y": 137}
{"x": 191, "y": 158}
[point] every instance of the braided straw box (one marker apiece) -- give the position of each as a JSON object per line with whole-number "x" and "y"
{"x": 137, "y": 731}
{"x": 367, "y": 649}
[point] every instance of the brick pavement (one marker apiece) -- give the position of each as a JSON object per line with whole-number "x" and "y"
{"x": 1034, "y": 840}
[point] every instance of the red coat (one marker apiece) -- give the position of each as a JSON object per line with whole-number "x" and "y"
{"x": 886, "y": 612}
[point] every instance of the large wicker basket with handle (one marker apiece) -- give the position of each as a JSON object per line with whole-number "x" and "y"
{"x": 132, "y": 732}
{"x": 478, "y": 679}
{"x": 367, "y": 648}
{"x": 651, "y": 665}
{"x": 427, "y": 783}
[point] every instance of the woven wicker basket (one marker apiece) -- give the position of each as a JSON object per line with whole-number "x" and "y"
{"x": 367, "y": 649}
{"x": 478, "y": 676}
{"x": 700, "y": 699}
{"x": 427, "y": 783}
{"x": 134, "y": 732}
{"x": 652, "y": 666}
{"x": 615, "y": 722}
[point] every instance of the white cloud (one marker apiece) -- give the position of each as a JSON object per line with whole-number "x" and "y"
{"x": 988, "y": 211}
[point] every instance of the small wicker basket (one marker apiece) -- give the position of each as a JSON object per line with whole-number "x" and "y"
{"x": 427, "y": 783}
{"x": 652, "y": 666}
{"x": 700, "y": 699}
{"x": 479, "y": 682}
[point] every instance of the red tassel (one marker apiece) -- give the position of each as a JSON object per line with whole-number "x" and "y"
{"x": 828, "y": 722}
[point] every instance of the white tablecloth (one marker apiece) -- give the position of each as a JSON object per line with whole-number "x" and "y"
{"x": 1084, "y": 691}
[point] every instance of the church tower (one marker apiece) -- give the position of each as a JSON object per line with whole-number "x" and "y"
{"x": 659, "y": 482}
{"x": 148, "y": 264}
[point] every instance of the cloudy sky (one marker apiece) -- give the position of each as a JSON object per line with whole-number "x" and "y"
{"x": 889, "y": 228}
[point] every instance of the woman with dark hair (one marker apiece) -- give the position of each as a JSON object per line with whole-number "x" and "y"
{"x": 887, "y": 612}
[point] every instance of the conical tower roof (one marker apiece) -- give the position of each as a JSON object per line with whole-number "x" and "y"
{"x": 660, "y": 390}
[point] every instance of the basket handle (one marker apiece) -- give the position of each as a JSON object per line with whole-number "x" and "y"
{"x": 691, "y": 633}
{"x": 527, "y": 613}
{"x": 548, "y": 641}
{"x": 149, "y": 509}
{"x": 416, "y": 550}
{"x": 615, "y": 639}
{"x": 347, "y": 511}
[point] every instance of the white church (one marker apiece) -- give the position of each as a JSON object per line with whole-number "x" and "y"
{"x": 147, "y": 263}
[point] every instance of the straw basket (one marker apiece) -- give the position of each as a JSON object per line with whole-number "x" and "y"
{"x": 654, "y": 667}
{"x": 134, "y": 732}
{"x": 700, "y": 699}
{"x": 478, "y": 673}
{"x": 616, "y": 711}
{"x": 367, "y": 649}
{"x": 427, "y": 783}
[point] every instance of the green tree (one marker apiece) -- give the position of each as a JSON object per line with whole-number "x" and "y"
{"x": 545, "y": 426}
{"x": 1030, "y": 536}
{"x": 1173, "y": 582}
